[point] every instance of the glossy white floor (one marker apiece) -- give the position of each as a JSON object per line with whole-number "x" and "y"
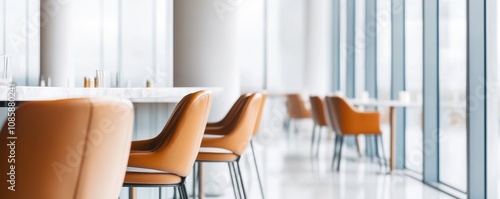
{"x": 291, "y": 173}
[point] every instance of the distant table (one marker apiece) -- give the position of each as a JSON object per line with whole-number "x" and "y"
{"x": 392, "y": 104}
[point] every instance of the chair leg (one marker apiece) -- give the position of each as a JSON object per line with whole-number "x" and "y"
{"x": 241, "y": 180}
{"x": 132, "y": 193}
{"x": 183, "y": 191}
{"x": 383, "y": 160}
{"x": 159, "y": 193}
{"x": 175, "y": 191}
{"x": 335, "y": 149}
{"x": 358, "y": 147}
{"x": 200, "y": 181}
{"x": 340, "y": 152}
{"x": 319, "y": 141}
{"x": 231, "y": 175}
{"x": 295, "y": 127}
{"x": 312, "y": 138}
{"x": 238, "y": 186}
{"x": 194, "y": 179}
{"x": 286, "y": 124}
{"x": 257, "y": 170}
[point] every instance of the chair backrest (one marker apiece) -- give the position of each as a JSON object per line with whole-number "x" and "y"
{"x": 237, "y": 106}
{"x": 296, "y": 106}
{"x": 340, "y": 113}
{"x": 259, "y": 115}
{"x": 318, "y": 110}
{"x": 242, "y": 128}
{"x": 73, "y": 148}
{"x": 181, "y": 137}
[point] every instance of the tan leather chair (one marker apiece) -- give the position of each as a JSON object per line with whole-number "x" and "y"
{"x": 345, "y": 120}
{"x": 256, "y": 131}
{"x": 297, "y": 110}
{"x": 238, "y": 133}
{"x": 166, "y": 160}
{"x": 219, "y": 128}
{"x": 319, "y": 118}
{"x": 72, "y": 148}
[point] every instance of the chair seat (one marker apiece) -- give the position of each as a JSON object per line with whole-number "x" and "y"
{"x": 145, "y": 176}
{"x": 216, "y": 157}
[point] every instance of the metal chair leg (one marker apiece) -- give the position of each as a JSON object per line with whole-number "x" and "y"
{"x": 183, "y": 190}
{"x": 235, "y": 172}
{"x": 335, "y": 146}
{"x": 159, "y": 193}
{"x": 340, "y": 152}
{"x": 319, "y": 141}
{"x": 241, "y": 180}
{"x": 383, "y": 151}
{"x": 312, "y": 138}
{"x": 295, "y": 127}
{"x": 257, "y": 170}
{"x": 231, "y": 175}
{"x": 194, "y": 178}
{"x": 286, "y": 124}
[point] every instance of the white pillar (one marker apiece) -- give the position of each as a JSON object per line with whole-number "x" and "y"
{"x": 317, "y": 47}
{"x": 55, "y": 50}
{"x": 205, "y": 49}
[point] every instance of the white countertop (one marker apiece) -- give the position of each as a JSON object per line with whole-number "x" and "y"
{"x": 136, "y": 95}
{"x": 384, "y": 103}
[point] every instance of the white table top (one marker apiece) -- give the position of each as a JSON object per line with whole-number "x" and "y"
{"x": 384, "y": 103}
{"x": 136, "y": 95}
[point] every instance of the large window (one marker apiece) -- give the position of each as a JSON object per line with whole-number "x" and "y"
{"x": 414, "y": 59}
{"x": 384, "y": 64}
{"x": 360, "y": 48}
{"x": 343, "y": 52}
{"x": 384, "y": 49}
{"x": 452, "y": 93}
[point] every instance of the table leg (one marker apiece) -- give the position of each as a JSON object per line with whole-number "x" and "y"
{"x": 393, "y": 138}
{"x": 132, "y": 193}
{"x": 201, "y": 180}
{"x": 358, "y": 147}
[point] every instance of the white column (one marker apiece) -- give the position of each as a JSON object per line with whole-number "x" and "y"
{"x": 55, "y": 50}
{"x": 205, "y": 49}
{"x": 317, "y": 46}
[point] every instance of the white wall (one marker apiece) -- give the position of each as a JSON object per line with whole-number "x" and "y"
{"x": 318, "y": 26}
{"x": 299, "y": 50}
{"x": 251, "y": 45}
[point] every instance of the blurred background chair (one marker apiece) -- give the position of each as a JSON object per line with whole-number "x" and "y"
{"x": 297, "y": 110}
{"x": 319, "y": 119}
{"x": 231, "y": 143}
{"x": 166, "y": 160}
{"x": 73, "y": 148}
{"x": 345, "y": 120}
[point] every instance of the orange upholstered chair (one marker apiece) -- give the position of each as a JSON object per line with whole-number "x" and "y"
{"x": 72, "y": 148}
{"x": 232, "y": 140}
{"x": 319, "y": 118}
{"x": 218, "y": 128}
{"x": 297, "y": 110}
{"x": 345, "y": 120}
{"x": 166, "y": 160}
